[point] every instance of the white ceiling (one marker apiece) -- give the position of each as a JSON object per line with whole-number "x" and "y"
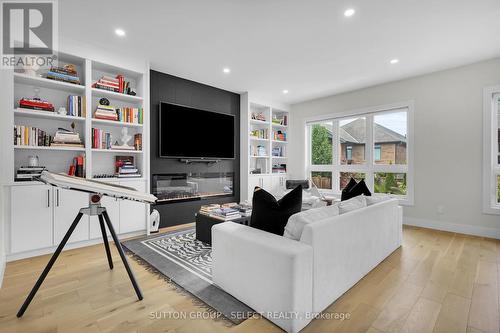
{"x": 307, "y": 47}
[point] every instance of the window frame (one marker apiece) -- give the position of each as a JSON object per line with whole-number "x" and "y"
{"x": 369, "y": 168}
{"x": 491, "y": 167}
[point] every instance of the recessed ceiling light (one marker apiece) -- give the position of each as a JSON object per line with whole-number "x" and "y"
{"x": 349, "y": 12}
{"x": 394, "y": 61}
{"x": 120, "y": 32}
{"x": 226, "y": 70}
{"x": 285, "y": 91}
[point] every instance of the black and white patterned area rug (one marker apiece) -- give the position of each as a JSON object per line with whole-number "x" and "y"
{"x": 186, "y": 261}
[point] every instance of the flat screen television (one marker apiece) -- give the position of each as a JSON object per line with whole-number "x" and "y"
{"x": 187, "y": 132}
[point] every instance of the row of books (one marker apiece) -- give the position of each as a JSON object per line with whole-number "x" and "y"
{"x": 278, "y": 151}
{"x": 130, "y": 115}
{"x": 115, "y": 84}
{"x": 76, "y": 105}
{"x": 279, "y": 136}
{"x": 77, "y": 167}
{"x": 64, "y": 74}
{"x": 280, "y": 120}
{"x": 31, "y": 136}
{"x": 260, "y": 133}
{"x": 101, "y": 139}
{"x": 279, "y": 168}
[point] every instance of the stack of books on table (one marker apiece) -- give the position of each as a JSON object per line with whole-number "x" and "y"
{"x": 66, "y": 138}
{"x": 220, "y": 212}
{"x": 106, "y": 112}
{"x": 116, "y": 84}
{"x": 65, "y": 74}
{"x": 245, "y": 210}
{"x": 27, "y": 173}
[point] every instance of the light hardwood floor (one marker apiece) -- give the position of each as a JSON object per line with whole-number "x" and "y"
{"x": 437, "y": 282}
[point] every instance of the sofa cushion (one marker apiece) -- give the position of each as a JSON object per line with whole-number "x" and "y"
{"x": 297, "y": 222}
{"x": 352, "y": 204}
{"x": 358, "y": 189}
{"x": 271, "y": 215}
{"x": 371, "y": 200}
{"x": 347, "y": 189}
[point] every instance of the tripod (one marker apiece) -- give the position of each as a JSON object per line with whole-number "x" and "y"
{"x": 94, "y": 209}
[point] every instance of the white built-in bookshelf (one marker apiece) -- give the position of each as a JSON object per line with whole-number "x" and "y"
{"x": 98, "y": 161}
{"x": 264, "y": 149}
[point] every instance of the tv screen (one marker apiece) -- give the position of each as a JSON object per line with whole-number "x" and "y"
{"x": 193, "y": 133}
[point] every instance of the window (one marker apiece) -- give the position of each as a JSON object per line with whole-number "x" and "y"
{"x": 491, "y": 151}
{"x": 373, "y": 144}
{"x": 377, "y": 153}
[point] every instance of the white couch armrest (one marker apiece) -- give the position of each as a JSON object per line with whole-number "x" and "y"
{"x": 269, "y": 273}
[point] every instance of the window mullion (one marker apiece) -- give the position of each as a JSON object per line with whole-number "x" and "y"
{"x": 369, "y": 177}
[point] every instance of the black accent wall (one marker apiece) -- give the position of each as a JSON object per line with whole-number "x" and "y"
{"x": 172, "y": 89}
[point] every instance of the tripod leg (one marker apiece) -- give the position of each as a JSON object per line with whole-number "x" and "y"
{"x": 122, "y": 255}
{"x": 105, "y": 239}
{"x": 49, "y": 266}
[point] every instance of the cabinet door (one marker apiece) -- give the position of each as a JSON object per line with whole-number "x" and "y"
{"x": 267, "y": 183}
{"x": 252, "y": 182}
{"x": 67, "y": 204}
{"x": 112, "y": 206}
{"x": 31, "y": 217}
{"x": 132, "y": 214}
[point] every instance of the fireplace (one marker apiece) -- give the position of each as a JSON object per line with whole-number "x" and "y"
{"x": 175, "y": 187}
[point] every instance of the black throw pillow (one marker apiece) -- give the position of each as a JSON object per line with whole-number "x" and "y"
{"x": 271, "y": 215}
{"x": 358, "y": 189}
{"x": 347, "y": 189}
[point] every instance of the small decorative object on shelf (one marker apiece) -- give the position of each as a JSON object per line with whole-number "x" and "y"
{"x": 104, "y": 101}
{"x": 77, "y": 168}
{"x": 278, "y": 151}
{"x": 138, "y": 141}
{"x": 279, "y": 168}
{"x": 31, "y": 69}
{"x": 67, "y": 74}
{"x": 62, "y": 111}
{"x": 283, "y": 120}
{"x": 104, "y": 175}
{"x": 124, "y": 141}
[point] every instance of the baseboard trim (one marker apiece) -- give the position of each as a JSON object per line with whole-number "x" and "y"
{"x": 466, "y": 229}
{"x": 39, "y": 252}
{"x": 3, "y": 260}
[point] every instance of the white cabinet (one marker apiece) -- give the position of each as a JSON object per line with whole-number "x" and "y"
{"x": 278, "y": 183}
{"x": 113, "y": 208}
{"x": 132, "y": 214}
{"x": 31, "y": 217}
{"x": 67, "y": 204}
{"x": 262, "y": 181}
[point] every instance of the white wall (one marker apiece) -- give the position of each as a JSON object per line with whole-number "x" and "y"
{"x": 448, "y": 142}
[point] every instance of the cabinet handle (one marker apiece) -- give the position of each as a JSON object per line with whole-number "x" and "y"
{"x": 57, "y": 193}
{"x": 48, "y": 198}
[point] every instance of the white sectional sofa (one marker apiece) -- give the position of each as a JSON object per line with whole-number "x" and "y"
{"x": 289, "y": 281}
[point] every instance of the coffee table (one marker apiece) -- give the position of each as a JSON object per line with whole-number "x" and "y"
{"x": 204, "y": 224}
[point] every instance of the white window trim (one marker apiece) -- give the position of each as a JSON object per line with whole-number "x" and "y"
{"x": 366, "y": 168}
{"x": 491, "y": 168}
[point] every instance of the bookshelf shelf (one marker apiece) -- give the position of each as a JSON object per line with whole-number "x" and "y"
{"x": 119, "y": 179}
{"x": 114, "y": 123}
{"x": 20, "y": 112}
{"x": 279, "y": 126}
{"x": 279, "y": 157}
{"x": 49, "y": 148}
{"x": 37, "y": 81}
{"x": 121, "y": 151}
{"x": 280, "y": 142}
{"x": 258, "y": 122}
{"x": 114, "y": 95}
{"x": 259, "y": 139}
{"x": 265, "y": 156}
